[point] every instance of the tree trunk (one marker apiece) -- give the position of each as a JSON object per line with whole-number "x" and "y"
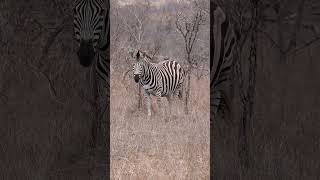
{"x": 243, "y": 149}
{"x": 280, "y": 16}
{"x": 247, "y": 99}
{"x": 187, "y": 93}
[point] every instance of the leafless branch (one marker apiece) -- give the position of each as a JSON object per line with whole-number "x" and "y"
{"x": 269, "y": 37}
{"x": 296, "y": 30}
{"x": 125, "y": 74}
{"x": 304, "y": 46}
{"x": 51, "y": 39}
{"x": 52, "y": 89}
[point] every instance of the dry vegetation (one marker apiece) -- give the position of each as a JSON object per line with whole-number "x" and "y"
{"x": 46, "y": 100}
{"x": 163, "y": 147}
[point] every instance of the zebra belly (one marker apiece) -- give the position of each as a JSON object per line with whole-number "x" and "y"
{"x": 148, "y": 89}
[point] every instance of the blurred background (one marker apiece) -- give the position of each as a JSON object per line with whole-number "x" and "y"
{"x": 273, "y": 132}
{"x": 46, "y": 101}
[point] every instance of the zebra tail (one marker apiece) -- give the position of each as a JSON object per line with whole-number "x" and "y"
{"x": 180, "y": 94}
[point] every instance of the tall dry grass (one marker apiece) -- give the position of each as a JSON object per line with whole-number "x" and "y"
{"x": 162, "y": 147}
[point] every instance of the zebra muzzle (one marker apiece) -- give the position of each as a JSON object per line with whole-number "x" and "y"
{"x": 86, "y": 53}
{"x": 136, "y": 78}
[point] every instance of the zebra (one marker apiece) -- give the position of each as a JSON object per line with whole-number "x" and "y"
{"x": 163, "y": 79}
{"x": 92, "y": 31}
{"x": 223, "y": 38}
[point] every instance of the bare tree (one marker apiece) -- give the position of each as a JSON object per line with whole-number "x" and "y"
{"x": 189, "y": 27}
{"x": 133, "y": 23}
{"x": 252, "y": 18}
{"x": 133, "y": 20}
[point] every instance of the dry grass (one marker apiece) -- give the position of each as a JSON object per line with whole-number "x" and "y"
{"x": 175, "y": 147}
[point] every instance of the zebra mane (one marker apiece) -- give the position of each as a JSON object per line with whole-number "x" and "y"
{"x": 145, "y": 54}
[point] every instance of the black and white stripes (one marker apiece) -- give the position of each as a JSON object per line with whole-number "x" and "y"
{"x": 91, "y": 29}
{"x": 163, "y": 79}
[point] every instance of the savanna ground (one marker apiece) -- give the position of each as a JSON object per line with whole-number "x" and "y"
{"x": 162, "y": 147}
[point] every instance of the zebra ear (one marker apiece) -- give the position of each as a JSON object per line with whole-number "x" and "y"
{"x": 102, "y": 11}
{"x": 138, "y": 55}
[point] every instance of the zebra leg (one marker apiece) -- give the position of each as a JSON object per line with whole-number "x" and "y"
{"x": 180, "y": 94}
{"x": 148, "y": 102}
{"x": 180, "y": 91}
{"x": 170, "y": 103}
{"x": 158, "y": 95}
{"x": 159, "y": 103}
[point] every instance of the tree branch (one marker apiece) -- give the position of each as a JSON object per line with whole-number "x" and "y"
{"x": 293, "y": 41}
{"x": 52, "y": 89}
{"x": 305, "y": 45}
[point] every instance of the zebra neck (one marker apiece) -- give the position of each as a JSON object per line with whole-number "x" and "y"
{"x": 147, "y": 76}
{"x": 102, "y": 54}
{"x": 104, "y": 41}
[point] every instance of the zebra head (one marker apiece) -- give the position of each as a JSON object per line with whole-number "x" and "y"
{"x": 137, "y": 66}
{"x": 89, "y": 18}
